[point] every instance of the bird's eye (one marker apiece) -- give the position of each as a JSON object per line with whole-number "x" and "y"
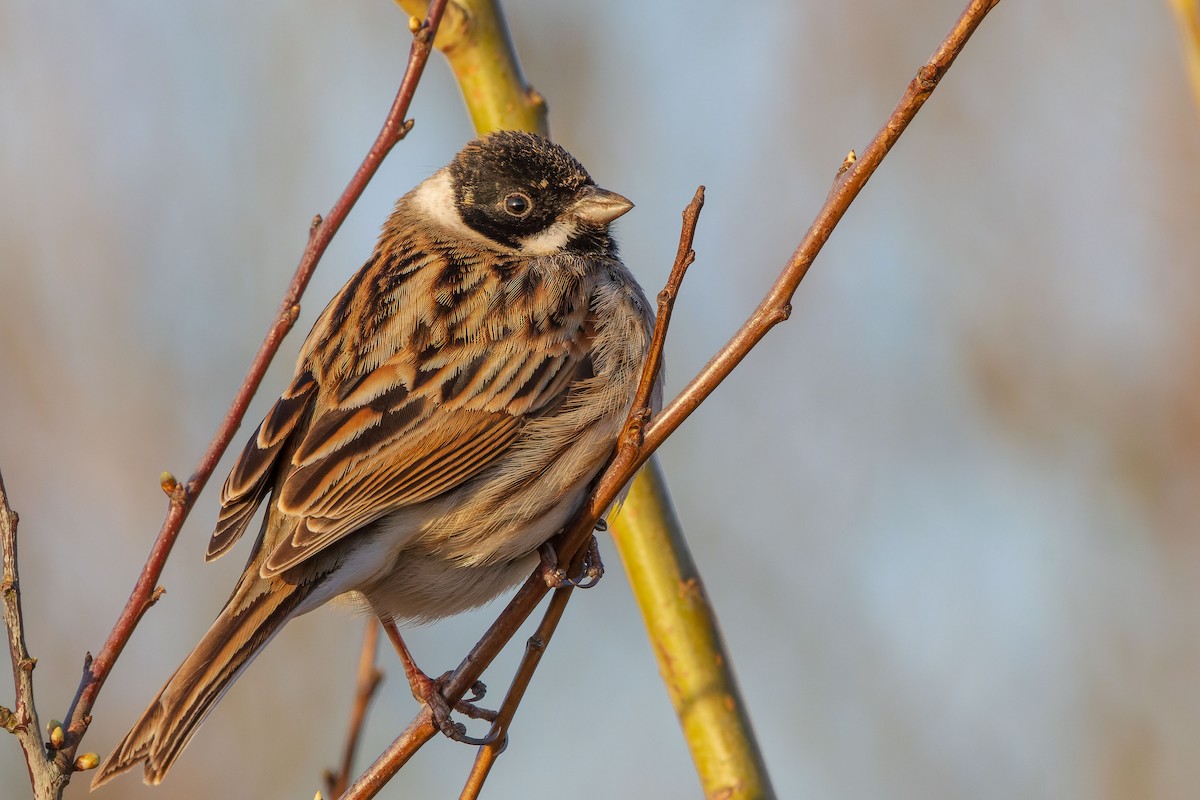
{"x": 518, "y": 204}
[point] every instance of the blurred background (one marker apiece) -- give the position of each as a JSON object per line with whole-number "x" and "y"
{"x": 947, "y": 513}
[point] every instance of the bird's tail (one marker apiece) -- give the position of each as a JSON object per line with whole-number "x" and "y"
{"x": 255, "y": 612}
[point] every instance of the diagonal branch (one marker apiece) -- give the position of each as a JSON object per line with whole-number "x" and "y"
{"x": 183, "y": 496}
{"x": 776, "y": 306}
{"x": 1187, "y": 18}
{"x": 535, "y": 647}
{"x": 774, "y": 309}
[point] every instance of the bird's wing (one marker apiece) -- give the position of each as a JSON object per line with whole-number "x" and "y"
{"x": 411, "y": 443}
{"x": 420, "y": 423}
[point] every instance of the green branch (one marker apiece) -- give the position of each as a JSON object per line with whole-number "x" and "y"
{"x": 475, "y": 40}
{"x": 687, "y": 642}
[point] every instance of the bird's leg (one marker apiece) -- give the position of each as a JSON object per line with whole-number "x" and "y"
{"x": 428, "y": 690}
{"x": 593, "y": 568}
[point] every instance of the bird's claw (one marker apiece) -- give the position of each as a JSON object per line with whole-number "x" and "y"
{"x": 441, "y": 711}
{"x": 556, "y": 577}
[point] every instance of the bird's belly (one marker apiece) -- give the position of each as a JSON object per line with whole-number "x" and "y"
{"x": 425, "y": 586}
{"x": 464, "y": 548}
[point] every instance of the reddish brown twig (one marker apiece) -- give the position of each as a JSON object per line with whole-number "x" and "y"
{"x": 776, "y": 306}
{"x": 365, "y": 686}
{"x": 535, "y": 648}
{"x": 183, "y": 496}
{"x": 774, "y": 309}
{"x": 684, "y": 256}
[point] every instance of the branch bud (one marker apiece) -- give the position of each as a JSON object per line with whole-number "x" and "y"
{"x": 87, "y": 761}
{"x": 847, "y": 163}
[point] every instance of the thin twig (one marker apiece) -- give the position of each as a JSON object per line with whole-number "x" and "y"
{"x": 535, "y": 647}
{"x": 774, "y": 309}
{"x": 22, "y": 720}
{"x": 365, "y": 686}
{"x": 183, "y": 496}
{"x": 684, "y": 256}
{"x": 776, "y": 306}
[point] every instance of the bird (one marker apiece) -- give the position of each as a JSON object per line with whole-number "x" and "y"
{"x": 450, "y": 408}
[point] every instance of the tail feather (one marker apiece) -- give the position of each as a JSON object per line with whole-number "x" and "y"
{"x": 255, "y": 612}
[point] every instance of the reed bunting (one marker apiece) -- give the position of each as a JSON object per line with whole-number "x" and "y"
{"x": 449, "y": 410}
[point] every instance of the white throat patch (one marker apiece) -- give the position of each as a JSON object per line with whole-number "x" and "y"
{"x": 550, "y": 241}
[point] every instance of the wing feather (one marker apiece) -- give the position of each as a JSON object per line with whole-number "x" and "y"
{"x": 391, "y": 478}
{"x": 356, "y": 464}
{"x": 253, "y": 475}
{"x": 407, "y": 390}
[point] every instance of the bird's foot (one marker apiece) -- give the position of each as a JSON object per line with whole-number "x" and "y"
{"x": 556, "y": 577}
{"x": 429, "y": 691}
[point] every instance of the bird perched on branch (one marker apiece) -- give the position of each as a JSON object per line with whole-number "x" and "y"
{"x": 449, "y": 410}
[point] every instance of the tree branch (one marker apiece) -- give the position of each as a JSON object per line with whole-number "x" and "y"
{"x": 535, "y": 647}
{"x": 365, "y": 686}
{"x": 22, "y": 720}
{"x": 683, "y": 631}
{"x": 479, "y": 48}
{"x": 1187, "y": 18}
{"x": 183, "y": 496}
{"x": 776, "y": 306}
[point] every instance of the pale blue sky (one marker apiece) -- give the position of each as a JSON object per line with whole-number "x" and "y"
{"x": 947, "y": 513}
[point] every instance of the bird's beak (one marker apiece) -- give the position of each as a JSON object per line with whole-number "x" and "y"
{"x": 599, "y": 206}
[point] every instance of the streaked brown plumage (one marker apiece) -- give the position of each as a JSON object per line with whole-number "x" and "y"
{"x": 450, "y": 407}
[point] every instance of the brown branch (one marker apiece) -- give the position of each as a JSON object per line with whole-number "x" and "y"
{"x": 776, "y": 306}
{"x": 475, "y": 39}
{"x": 418, "y": 732}
{"x": 366, "y": 684}
{"x": 684, "y": 256}
{"x": 22, "y": 720}
{"x": 774, "y": 309}
{"x": 183, "y": 497}
{"x": 535, "y": 647}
